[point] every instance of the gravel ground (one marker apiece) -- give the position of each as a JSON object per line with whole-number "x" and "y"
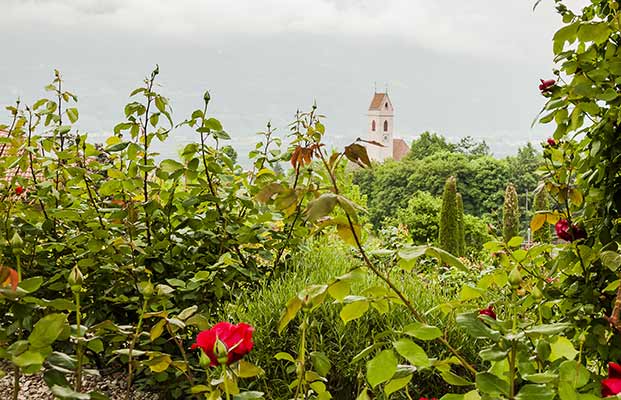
{"x": 34, "y": 388}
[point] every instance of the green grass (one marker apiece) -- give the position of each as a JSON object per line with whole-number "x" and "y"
{"x": 325, "y": 259}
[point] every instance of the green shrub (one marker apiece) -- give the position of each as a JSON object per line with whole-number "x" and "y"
{"x": 325, "y": 259}
{"x": 448, "y": 238}
{"x": 510, "y": 214}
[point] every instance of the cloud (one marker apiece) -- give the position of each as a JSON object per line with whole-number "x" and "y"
{"x": 488, "y": 27}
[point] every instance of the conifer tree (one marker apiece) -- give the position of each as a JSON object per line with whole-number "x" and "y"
{"x": 541, "y": 203}
{"x": 461, "y": 234}
{"x": 449, "y": 236}
{"x": 510, "y": 214}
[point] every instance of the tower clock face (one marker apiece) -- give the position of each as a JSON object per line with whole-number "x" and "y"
{"x": 385, "y": 138}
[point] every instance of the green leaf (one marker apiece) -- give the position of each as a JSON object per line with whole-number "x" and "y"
{"x": 535, "y": 392}
{"x": 394, "y": 385}
{"x": 171, "y": 166}
{"x": 248, "y": 370}
{"x": 73, "y": 114}
{"x": 445, "y": 257}
{"x": 29, "y": 358}
{"x": 595, "y": 32}
{"x": 547, "y": 329}
{"x": 31, "y": 284}
{"x": 422, "y": 331}
{"x": 253, "y": 394}
{"x": 339, "y": 289}
{"x": 381, "y": 368}
{"x": 321, "y": 206}
{"x": 611, "y": 260}
{"x": 321, "y": 362}
{"x": 212, "y": 124}
{"x": 293, "y": 306}
{"x": 354, "y": 310}
{"x": 47, "y": 330}
{"x": 469, "y": 293}
{"x": 284, "y": 356}
{"x": 475, "y": 327}
{"x": 68, "y": 393}
{"x": 574, "y": 373}
{"x": 454, "y": 379}
{"x": 562, "y": 347}
{"x": 491, "y": 384}
{"x": 412, "y": 352}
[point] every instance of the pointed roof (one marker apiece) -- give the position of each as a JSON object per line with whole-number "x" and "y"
{"x": 399, "y": 149}
{"x": 378, "y": 100}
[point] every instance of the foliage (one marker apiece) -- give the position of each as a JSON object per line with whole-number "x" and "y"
{"x": 449, "y": 232}
{"x": 510, "y": 214}
{"x": 482, "y": 178}
{"x": 542, "y": 204}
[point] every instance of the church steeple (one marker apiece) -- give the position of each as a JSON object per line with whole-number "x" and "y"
{"x": 381, "y": 127}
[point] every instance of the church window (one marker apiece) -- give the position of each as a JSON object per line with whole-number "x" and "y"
{"x": 373, "y": 125}
{"x": 386, "y": 105}
{"x": 385, "y": 126}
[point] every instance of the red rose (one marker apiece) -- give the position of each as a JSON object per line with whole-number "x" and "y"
{"x": 551, "y": 142}
{"x": 236, "y": 338}
{"x": 547, "y": 84}
{"x": 19, "y": 190}
{"x": 612, "y": 385}
{"x": 569, "y": 233}
{"x": 489, "y": 311}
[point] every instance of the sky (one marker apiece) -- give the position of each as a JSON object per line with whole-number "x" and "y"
{"x": 458, "y": 68}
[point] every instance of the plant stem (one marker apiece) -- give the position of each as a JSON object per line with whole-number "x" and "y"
{"x": 79, "y": 355}
{"x": 224, "y": 382}
{"x": 16, "y": 375}
{"x": 302, "y": 360}
{"x": 128, "y": 394}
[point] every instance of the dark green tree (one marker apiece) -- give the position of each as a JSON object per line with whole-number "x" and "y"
{"x": 541, "y": 203}
{"x": 460, "y": 225}
{"x": 428, "y": 144}
{"x": 510, "y": 214}
{"x": 448, "y": 238}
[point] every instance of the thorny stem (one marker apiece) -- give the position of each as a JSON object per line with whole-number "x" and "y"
{"x": 130, "y": 372}
{"x": 419, "y": 317}
{"x": 32, "y": 171}
{"x": 79, "y": 354}
{"x": 212, "y": 190}
{"x": 145, "y": 157}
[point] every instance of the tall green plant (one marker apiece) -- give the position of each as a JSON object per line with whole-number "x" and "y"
{"x": 449, "y": 238}
{"x": 510, "y": 214}
{"x": 461, "y": 232}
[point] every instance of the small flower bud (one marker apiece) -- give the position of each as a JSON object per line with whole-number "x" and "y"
{"x": 206, "y": 96}
{"x": 515, "y": 277}
{"x": 16, "y": 241}
{"x": 75, "y": 279}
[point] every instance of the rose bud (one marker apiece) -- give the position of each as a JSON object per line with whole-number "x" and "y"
{"x": 546, "y": 85}
{"x": 19, "y": 190}
{"x": 551, "y": 142}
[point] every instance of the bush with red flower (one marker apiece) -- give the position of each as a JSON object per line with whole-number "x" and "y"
{"x": 569, "y": 232}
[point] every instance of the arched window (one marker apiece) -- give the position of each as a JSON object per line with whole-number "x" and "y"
{"x": 385, "y": 126}
{"x": 386, "y": 105}
{"x": 373, "y": 125}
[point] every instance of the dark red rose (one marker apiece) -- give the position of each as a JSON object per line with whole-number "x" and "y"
{"x": 546, "y": 85}
{"x": 236, "y": 338}
{"x": 19, "y": 190}
{"x": 569, "y": 233}
{"x": 489, "y": 311}
{"x": 551, "y": 142}
{"x": 612, "y": 385}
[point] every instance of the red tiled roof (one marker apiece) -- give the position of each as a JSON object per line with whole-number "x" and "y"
{"x": 399, "y": 149}
{"x": 378, "y": 100}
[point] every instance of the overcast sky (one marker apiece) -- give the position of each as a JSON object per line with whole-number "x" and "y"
{"x": 456, "y": 67}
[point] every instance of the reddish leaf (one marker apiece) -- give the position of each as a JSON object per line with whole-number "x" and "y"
{"x": 357, "y": 153}
{"x": 9, "y": 277}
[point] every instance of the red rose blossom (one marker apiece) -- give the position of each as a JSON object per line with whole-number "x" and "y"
{"x": 236, "y": 338}
{"x": 19, "y": 190}
{"x": 551, "y": 142}
{"x": 489, "y": 311}
{"x": 546, "y": 85}
{"x": 612, "y": 385}
{"x": 569, "y": 233}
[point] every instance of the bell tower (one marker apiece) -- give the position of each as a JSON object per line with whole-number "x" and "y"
{"x": 380, "y": 127}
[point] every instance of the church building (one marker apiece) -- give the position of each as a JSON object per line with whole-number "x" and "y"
{"x": 381, "y": 130}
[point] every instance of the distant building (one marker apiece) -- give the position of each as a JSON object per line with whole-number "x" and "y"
{"x": 381, "y": 130}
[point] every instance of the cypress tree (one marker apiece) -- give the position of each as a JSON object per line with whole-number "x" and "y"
{"x": 510, "y": 214}
{"x": 449, "y": 236}
{"x": 541, "y": 203}
{"x": 461, "y": 234}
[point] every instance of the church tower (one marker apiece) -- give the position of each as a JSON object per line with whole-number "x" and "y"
{"x": 381, "y": 127}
